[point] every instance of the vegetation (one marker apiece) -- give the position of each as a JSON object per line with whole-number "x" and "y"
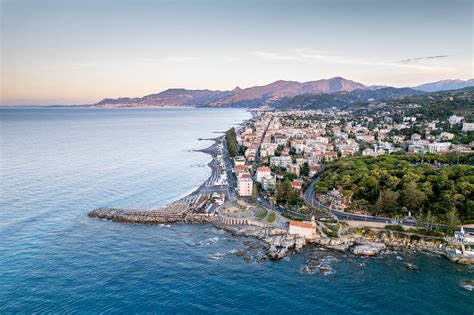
{"x": 231, "y": 142}
{"x": 287, "y": 195}
{"x": 397, "y": 184}
{"x": 271, "y": 217}
{"x": 397, "y": 228}
{"x": 262, "y": 213}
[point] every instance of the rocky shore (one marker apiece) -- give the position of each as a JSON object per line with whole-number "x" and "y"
{"x": 372, "y": 242}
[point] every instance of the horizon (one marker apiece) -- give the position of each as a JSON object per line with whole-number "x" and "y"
{"x": 79, "y": 52}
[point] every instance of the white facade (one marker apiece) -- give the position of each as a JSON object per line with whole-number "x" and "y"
{"x": 245, "y": 186}
{"x": 468, "y": 127}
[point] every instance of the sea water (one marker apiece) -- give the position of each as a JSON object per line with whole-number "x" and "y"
{"x": 59, "y": 163}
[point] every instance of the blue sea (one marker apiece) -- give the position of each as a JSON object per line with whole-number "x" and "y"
{"x": 58, "y": 163}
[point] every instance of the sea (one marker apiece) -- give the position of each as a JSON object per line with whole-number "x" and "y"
{"x": 56, "y": 164}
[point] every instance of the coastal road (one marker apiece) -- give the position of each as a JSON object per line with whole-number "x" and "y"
{"x": 309, "y": 197}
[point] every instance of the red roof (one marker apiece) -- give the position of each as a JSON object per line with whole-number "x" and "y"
{"x": 241, "y": 167}
{"x": 297, "y": 184}
{"x": 263, "y": 169}
{"x": 303, "y": 224}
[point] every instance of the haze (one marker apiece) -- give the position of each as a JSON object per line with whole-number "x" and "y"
{"x": 78, "y": 52}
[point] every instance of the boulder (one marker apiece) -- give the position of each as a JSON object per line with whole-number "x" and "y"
{"x": 368, "y": 248}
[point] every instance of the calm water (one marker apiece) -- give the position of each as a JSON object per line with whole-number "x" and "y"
{"x": 56, "y": 164}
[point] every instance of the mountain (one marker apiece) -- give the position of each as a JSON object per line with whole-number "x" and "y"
{"x": 170, "y": 97}
{"x": 444, "y": 85}
{"x": 248, "y": 97}
{"x": 258, "y": 95}
{"x": 340, "y": 99}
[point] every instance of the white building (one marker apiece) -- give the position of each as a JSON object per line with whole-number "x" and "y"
{"x": 263, "y": 171}
{"x": 438, "y": 147}
{"x": 280, "y": 161}
{"x": 468, "y": 127}
{"x": 306, "y": 229}
{"x": 245, "y": 185}
{"x": 455, "y": 119}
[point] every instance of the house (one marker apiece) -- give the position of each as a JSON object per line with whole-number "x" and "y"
{"x": 306, "y": 229}
{"x": 263, "y": 171}
{"x": 297, "y": 184}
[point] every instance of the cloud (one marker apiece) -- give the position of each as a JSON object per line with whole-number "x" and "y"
{"x": 423, "y": 58}
{"x": 310, "y": 56}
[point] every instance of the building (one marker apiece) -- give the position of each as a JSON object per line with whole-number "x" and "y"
{"x": 239, "y": 160}
{"x": 438, "y": 147}
{"x": 280, "y": 161}
{"x": 245, "y": 185}
{"x": 268, "y": 182}
{"x": 293, "y": 168}
{"x": 262, "y": 171}
{"x": 468, "y": 127}
{"x": 306, "y": 229}
{"x": 297, "y": 184}
{"x": 453, "y": 120}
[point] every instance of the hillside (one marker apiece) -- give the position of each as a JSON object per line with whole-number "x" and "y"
{"x": 444, "y": 85}
{"x": 339, "y": 99}
{"x": 283, "y": 95}
{"x": 248, "y": 97}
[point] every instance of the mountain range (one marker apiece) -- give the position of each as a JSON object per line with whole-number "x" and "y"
{"x": 280, "y": 94}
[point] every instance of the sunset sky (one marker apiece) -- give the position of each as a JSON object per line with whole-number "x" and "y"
{"x": 80, "y": 51}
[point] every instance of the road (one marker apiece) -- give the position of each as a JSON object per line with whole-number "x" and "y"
{"x": 309, "y": 197}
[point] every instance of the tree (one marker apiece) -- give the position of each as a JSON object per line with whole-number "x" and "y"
{"x": 412, "y": 197}
{"x": 231, "y": 142}
{"x": 304, "y": 170}
{"x": 452, "y": 218}
{"x": 387, "y": 201}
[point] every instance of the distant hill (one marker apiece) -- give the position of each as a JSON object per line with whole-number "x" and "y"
{"x": 170, "y": 97}
{"x": 281, "y": 95}
{"x": 444, "y": 85}
{"x": 340, "y": 99}
{"x": 248, "y": 97}
{"x": 278, "y": 89}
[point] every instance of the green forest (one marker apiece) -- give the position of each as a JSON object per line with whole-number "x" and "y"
{"x": 394, "y": 185}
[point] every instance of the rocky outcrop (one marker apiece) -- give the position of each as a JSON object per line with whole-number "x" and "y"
{"x": 280, "y": 246}
{"x": 459, "y": 258}
{"x": 365, "y": 248}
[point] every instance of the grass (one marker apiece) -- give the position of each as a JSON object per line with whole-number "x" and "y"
{"x": 262, "y": 213}
{"x": 271, "y": 217}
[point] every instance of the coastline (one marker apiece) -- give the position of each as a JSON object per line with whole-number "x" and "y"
{"x": 158, "y": 216}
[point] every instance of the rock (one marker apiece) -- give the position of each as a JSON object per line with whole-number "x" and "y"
{"x": 368, "y": 248}
{"x": 278, "y": 254}
{"x": 239, "y": 252}
{"x": 324, "y": 270}
{"x": 340, "y": 247}
{"x": 299, "y": 243}
{"x": 411, "y": 266}
{"x": 467, "y": 284}
{"x": 247, "y": 258}
{"x": 261, "y": 259}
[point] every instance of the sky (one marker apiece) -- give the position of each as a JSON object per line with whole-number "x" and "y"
{"x": 80, "y": 51}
